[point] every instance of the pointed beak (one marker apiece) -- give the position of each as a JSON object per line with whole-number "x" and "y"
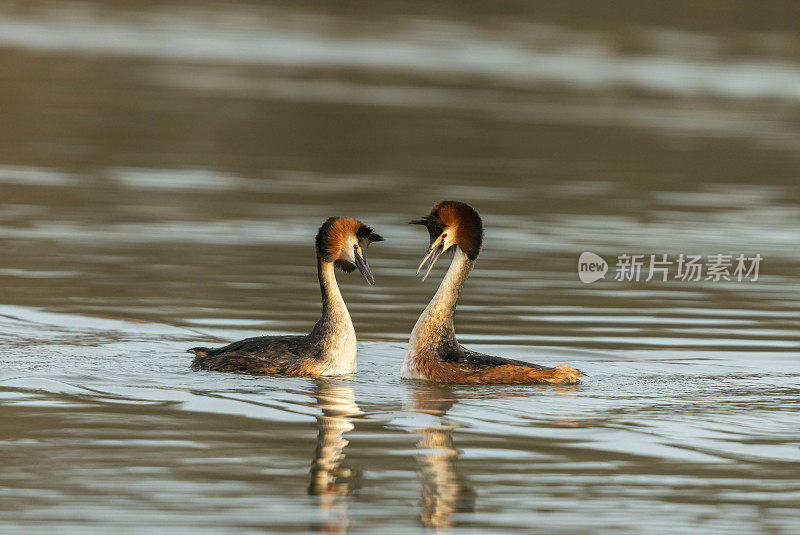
{"x": 433, "y": 255}
{"x": 363, "y": 267}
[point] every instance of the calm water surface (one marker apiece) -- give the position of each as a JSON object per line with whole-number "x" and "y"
{"x": 164, "y": 168}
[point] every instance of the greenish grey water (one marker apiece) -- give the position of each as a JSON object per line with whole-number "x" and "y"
{"x": 163, "y": 170}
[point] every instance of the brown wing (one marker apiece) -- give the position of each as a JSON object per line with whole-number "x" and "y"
{"x": 286, "y": 355}
{"x": 473, "y": 361}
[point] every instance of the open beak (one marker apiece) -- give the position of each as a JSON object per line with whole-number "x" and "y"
{"x": 363, "y": 267}
{"x": 433, "y": 255}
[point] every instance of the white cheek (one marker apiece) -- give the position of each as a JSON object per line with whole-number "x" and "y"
{"x": 348, "y": 253}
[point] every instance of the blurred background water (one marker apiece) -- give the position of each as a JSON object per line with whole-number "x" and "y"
{"x": 164, "y": 167}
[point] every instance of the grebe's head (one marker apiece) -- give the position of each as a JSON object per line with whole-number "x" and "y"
{"x": 451, "y": 223}
{"x": 344, "y": 241}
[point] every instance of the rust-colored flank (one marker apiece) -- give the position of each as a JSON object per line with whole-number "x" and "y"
{"x": 510, "y": 374}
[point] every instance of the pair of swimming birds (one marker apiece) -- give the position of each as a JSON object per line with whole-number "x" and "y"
{"x": 434, "y": 353}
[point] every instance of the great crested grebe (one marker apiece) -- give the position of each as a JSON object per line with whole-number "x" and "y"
{"x": 433, "y": 351}
{"x": 330, "y": 348}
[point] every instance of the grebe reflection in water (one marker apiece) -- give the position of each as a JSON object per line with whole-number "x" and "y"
{"x": 332, "y": 482}
{"x": 445, "y": 490}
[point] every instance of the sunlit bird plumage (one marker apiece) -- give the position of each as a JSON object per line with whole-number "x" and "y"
{"x": 330, "y": 347}
{"x": 433, "y": 351}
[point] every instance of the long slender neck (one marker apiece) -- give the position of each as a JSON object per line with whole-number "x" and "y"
{"x": 333, "y": 334}
{"x": 435, "y": 327}
{"x": 334, "y": 311}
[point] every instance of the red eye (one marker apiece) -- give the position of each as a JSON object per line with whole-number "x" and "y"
{"x": 444, "y": 235}
{"x": 355, "y": 246}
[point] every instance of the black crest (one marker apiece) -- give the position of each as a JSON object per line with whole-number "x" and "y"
{"x": 365, "y": 232}
{"x": 431, "y": 222}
